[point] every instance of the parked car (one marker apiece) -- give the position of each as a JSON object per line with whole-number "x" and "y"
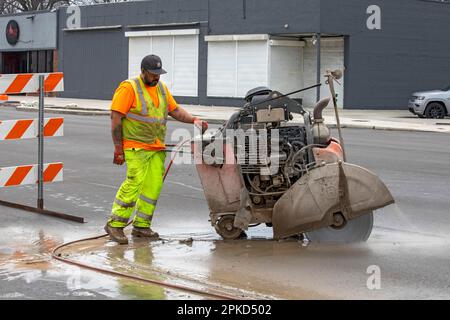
{"x": 431, "y": 104}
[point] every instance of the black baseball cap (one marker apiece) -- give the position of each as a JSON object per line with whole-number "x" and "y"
{"x": 152, "y": 63}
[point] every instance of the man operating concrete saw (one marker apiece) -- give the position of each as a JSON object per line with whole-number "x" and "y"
{"x": 139, "y": 112}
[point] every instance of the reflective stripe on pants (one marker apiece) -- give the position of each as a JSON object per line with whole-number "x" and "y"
{"x": 123, "y": 204}
{"x": 143, "y": 184}
{"x": 113, "y": 217}
{"x": 144, "y": 216}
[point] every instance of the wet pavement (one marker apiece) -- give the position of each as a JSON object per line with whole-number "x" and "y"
{"x": 412, "y": 267}
{"x": 28, "y": 271}
{"x": 409, "y": 246}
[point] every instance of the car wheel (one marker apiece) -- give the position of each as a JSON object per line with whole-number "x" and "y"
{"x": 435, "y": 110}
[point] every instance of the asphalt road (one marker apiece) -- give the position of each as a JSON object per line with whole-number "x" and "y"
{"x": 410, "y": 242}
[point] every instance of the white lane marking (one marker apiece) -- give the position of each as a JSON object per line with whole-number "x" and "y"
{"x": 170, "y": 195}
{"x": 185, "y": 185}
{"x": 173, "y": 182}
{"x": 101, "y": 185}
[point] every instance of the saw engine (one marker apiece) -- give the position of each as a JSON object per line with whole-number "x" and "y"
{"x": 266, "y": 184}
{"x": 290, "y": 176}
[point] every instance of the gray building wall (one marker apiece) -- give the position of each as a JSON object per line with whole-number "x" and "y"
{"x": 264, "y": 16}
{"x": 260, "y": 17}
{"x": 96, "y": 61}
{"x": 93, "y": 62}
{"x": 383, "y": 67}
{"x": 410, "y": 53}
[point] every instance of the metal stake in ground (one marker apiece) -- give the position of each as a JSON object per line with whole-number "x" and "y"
{"x": 40, "y": 200}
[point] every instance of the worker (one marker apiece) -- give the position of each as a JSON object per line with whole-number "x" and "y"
{"x": 139, "y": 111}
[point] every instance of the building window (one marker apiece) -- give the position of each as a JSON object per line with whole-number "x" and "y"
{"x": 41, "y": 61}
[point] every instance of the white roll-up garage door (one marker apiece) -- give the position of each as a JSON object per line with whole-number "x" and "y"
{"x": 178, "y": 50}
{"x": 236, "y": 66}
{"x": 286, "y": 74}
{"x": 332, "y": 53}
{"x": 238, "y": 63}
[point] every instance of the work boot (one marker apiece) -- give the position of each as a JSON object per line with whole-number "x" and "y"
{"x": 145, "y": 233}
{"x": 116, "y": 234}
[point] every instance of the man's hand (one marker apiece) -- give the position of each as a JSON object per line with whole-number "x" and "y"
{"x": 182, "y": 115}
{"x": 203, "y": 125}
{"x": 119, "y": 156}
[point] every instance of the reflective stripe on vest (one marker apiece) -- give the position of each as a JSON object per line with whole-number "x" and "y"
{"x": 145, "y": 122}
{"x": 146, "y": 119}
{"x": 144, "y": 106}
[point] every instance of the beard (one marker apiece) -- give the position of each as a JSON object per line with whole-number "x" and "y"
{"x": 151, "y": 83}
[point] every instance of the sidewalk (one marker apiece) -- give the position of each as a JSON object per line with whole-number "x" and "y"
{"x": 401, "y": 120}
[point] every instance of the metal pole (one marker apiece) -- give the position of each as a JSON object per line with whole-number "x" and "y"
{"x": 330, "y": 78}
{"x": 40, "y": 200}
{"x": 319, "y": 63}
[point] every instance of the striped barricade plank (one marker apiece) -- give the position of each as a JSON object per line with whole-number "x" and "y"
{"x": 28, "y": 174}
{"x": 53, "y": 127}
{"x": 28, "y": 128}
{"x": 32, "y": 128}
{"x": 29, "y": 82}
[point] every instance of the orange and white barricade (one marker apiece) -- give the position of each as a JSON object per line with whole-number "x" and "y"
{"x": 28, "y": 128}
{"x": 33, "y": 128}
{"x": 23, "y": 175}
{"x": 29, "y": 82}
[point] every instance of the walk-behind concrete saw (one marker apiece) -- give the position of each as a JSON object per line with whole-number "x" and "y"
{"x": 261, "y": 167}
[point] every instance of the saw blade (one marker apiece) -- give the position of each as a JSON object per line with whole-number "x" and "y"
{"x": 355, "y": 230}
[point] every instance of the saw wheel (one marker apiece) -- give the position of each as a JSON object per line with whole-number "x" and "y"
{"x": 226, "y": 229}
{"x": 355, "y": 230}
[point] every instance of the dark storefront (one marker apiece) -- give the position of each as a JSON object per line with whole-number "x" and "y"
{"x": 27, "y": 61}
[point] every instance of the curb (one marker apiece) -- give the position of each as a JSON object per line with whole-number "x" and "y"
{"x": 93, "y": 112}
{"x": 375, "y": 127}
{"x": 81, "y": 112}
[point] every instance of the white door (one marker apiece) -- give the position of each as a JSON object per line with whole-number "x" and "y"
{"x": 179, "y": 55}
{"x": 286, "y": 67}
{"x": 332, "y": 58}
{"x": 137, "y": 49}
{"x": 234, "y": 67}
{"x": 185, "y": 66}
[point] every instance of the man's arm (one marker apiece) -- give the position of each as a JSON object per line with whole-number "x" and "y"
{"x": 182, "y": 115}
{"x": 116, "y": 132}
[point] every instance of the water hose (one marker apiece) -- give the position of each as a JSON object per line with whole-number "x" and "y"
{"x": 59, "y": 257}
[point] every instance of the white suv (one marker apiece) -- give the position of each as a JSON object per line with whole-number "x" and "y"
{"x": 431, "y": 104}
